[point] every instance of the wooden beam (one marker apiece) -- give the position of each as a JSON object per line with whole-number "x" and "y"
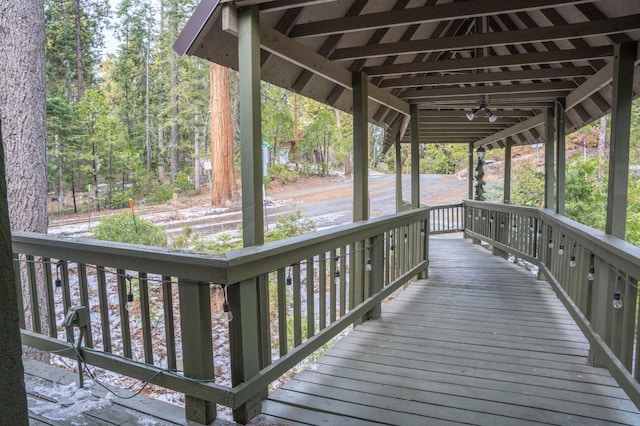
{"x": 283, "y": 47}
{"x": 279, "y": 5}
{"x": 595, "y": 83}
{"x": 473, "y": 41}
{"x": 451, "y": 114}
{"x": 488, "y": 90}
{"x": 534, "y": 121}
{"x": 492, "y": 61}
{"x": 421, "y": 15}
{"x": 488, "y": 77}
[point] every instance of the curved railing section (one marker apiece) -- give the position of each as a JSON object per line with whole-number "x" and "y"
{"x": 594, "y": 274}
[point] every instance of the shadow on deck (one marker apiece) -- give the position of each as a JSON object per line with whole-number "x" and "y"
{"x": 482, "y": 341}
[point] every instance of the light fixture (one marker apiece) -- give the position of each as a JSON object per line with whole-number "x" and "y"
{"x": 481, "y": 153}
{"x": 484, "y": 108}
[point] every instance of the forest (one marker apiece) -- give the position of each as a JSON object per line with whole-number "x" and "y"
{"x": 136, "y": 123}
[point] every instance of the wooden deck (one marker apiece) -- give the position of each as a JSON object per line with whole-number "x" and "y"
{"x": 482, "y": 341}
{"x": 55, "y": 399}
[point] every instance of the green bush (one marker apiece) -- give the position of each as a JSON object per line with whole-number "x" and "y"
{"x": 182, "y": 181}
{"x": 161, "y": 194}
{"x": 292, "y": 225}
{"x": 121, "y": 228}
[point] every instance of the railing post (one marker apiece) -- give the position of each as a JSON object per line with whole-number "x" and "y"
{"x": 601, "y": 310}
{"x": 197, "y": 345}
{"x": 376, "y": 277}
{"x": 424, "y": 234}
{"x": 244, "y": 343}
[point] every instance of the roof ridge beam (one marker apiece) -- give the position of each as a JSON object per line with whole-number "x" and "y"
{"x": 420, "y": 15}
{"x": 489, "y": 90}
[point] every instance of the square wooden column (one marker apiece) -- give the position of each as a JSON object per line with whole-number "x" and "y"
{"x": 470, "y": 172}
{"x": 506, "y": 198}
{"x": 399, "y": 205}
{"x": 360, "y": 147}
{"x": 623, "y": 66}
{"x": 549, "y": 159}
{"x": 415, "y": 157}
{"x": 247, "y": 298}
{"x": 561, "y": 163}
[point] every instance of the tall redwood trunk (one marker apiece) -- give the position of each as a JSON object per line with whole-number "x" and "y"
{"x": 221, "y": 135}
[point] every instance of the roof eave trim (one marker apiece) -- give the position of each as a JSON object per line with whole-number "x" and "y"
{"x": 195, "y": 25}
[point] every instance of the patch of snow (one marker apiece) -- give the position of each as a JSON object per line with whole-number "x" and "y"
{"x": 63, "y": 402}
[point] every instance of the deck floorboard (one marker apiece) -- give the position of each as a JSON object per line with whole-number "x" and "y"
{"x": 481, "y": 341}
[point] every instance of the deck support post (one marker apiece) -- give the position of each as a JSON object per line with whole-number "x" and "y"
{"x": 470, "y": 172}
{"x": 360, "y": 147}
{"x": 623, "y": 67}
{"x": 415, "y": 157}
{"x": 246, "y": 343}
{"x": 506, "y": 197}
{"x": 399, "y": 204}
{"x": 195, "y": 323}
{"x": 561, "y": 161}
{"x": 549, "y": 166}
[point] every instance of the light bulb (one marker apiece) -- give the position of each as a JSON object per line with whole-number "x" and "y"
{"x": 392, "y": 250}
{"x": 501, "y": 224}
{"x": 493, "y": 118}
{"x": 337, "y": 273}
{"x": 289, "y": 280}
{"x": 561, "y": 249}
{"x": 422, "y": 232}
{"x": 590, "y": 275}
{"x": 572, "y": 262}
{"x": 470, "y": 116}
{"x": 368, "y": 267}
{"x": 129, "y": 297}
{"x": 484, "y": 217}
{"x": 550, "y": 244}
{"x": 406, "y": 238}
{"x": 491, "y": 219}
{"x": 617, "y": 302}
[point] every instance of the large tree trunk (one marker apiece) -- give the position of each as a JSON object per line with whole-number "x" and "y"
{"x": 221, "y": 135}
{"x": 173, "y": 139}
{"x": 13, "y": 398}
{"x": 22, "y": 105}
{"x": 79, "y": 66}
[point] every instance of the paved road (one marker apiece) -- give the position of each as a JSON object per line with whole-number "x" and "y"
{"x": 332, "y": 205}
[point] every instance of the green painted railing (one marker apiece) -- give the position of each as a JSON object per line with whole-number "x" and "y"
{"x": 446, "y": 219}
{"x": 594, "y": 274}
{"x": 163, "y": 315}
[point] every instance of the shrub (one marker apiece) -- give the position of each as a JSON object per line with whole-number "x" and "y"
{"x": 292, "y": 225}
{"x": 121, "y": 228}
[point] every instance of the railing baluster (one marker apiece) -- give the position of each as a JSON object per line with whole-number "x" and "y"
{"x": 169, "y": 326}
{"x": 629, "y": 322}
{"x": 333, "y": 265}
{"x": 145, "y": 317}
{"x": 351, "y": 293}
{"x": 84, "y": 300}
{"x": 343, "y": 280}
{"x": 18, "y": 279}
{"x": 125, "y": 329}
{"x": 49, "y": 289}
{"x": 322, "y": 290}
{"x": 311, "y": 311}
{"x": 281, "y": 282}
{"x": 33, "y": 294}
{"x": 297, "y": 306}
{"x": 66, "y": 290}
{"x": 104, "y": 309}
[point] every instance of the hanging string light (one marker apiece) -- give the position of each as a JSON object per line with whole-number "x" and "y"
{"x": 572, "y": 260}
{"x": 550, "y": 243}
{"x": 591, "y": 275}
{"x": 58, "y": 281}
{"x": 130, "y": 294}
{"x": 336, "y": 273}
{"x": 289, "y": 280}
{"x": 368, "y": 267}
{"x": 391, "y": 246}
{"x": 226, "y": 306}
{"x": 617, "y": 299}
{"x": 561, "y": 247}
